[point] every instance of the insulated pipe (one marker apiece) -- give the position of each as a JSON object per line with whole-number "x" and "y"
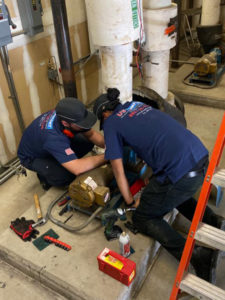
{"x": 158, "y": 44}
{"x": 114, "y": 25}
{"x": 155, "y": 4}
{"x": 175, "y": 50}
{"x": 113, "y": 22}
{"x": 210, "y": 12}
{"x": 156, "y": 72}
{"x": 64, "y": 47}
{"x": 116, "y": 70}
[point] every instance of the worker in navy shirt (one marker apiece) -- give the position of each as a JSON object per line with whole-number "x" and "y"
{"x": 54, "y": 144}
{"x": 178, "y": 160}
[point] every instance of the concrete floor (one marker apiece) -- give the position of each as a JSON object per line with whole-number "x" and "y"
{"x": 15, "y": 285}
{"x": 78, "y": 269}
{"x": 73, "y": 274}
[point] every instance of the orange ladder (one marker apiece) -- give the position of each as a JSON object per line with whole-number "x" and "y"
{"x": 199, "y": 231}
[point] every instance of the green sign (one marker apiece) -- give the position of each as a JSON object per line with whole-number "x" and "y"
{"x": 135, "y": 13}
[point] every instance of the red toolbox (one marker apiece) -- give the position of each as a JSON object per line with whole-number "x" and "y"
{"x": 117, "y": 266}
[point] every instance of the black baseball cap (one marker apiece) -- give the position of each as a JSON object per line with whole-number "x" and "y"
{"x": 105, "y": 102}
{"x": 74, "y": 111}
{"x": 101, "y": 104}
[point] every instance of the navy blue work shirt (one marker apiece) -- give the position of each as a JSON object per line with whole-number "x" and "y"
{"x": 44, "y": 138}
{"x": 165, "y": 145}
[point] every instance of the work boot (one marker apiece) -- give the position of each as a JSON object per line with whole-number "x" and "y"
{"x": 45, "y": 185}
{"x": 205, "y": 261}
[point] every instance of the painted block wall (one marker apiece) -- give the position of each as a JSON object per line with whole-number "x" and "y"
{"x": 29, "y": 58}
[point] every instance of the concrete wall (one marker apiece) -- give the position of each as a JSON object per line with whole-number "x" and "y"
{"x": 29, "y": 59}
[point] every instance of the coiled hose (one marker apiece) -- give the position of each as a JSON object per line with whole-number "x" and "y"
{"x": 65, "y": 226}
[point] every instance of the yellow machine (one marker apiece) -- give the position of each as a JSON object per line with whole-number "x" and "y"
{"x": 207, "y": 71}
{"x": 207, "y": 64}
{"x": 92, "y": 187}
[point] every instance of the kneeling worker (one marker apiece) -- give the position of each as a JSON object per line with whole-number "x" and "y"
{"x": 179, "y": 161}
{"x": 54, "y": 144}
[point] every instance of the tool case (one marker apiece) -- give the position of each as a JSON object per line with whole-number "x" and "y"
{"x": 117, "y": 266}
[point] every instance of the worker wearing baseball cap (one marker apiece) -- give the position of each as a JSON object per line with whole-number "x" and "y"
{"x": 54, "y": 144}
{"x": 178, "y": 160}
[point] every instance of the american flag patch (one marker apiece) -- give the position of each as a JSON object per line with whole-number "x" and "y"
{"x": 69, "y": 151}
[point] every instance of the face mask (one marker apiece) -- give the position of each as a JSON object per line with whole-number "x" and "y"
{"x": 69, "y": 132}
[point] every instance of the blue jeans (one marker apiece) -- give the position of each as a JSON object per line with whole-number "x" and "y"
{"x": 158, "y": 199}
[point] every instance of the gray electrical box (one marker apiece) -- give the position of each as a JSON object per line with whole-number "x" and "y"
{"x": 31, "y": 16}
{"x": 5, "y": 32}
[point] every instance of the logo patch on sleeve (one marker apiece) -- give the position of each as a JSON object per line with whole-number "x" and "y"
{"x": 69, "y": 151}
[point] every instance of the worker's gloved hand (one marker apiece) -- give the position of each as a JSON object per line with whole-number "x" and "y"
{"x": 23, "y": 228}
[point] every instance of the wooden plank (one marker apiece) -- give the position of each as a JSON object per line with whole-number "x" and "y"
{"x": 201, "y": 289}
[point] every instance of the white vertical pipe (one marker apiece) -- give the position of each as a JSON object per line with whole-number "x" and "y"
{"x": 114, "y": 25}
{"x": 210, "y": 12}
{"x": 157, "y": 15}
{"x": 196, "y": 18}
{"x": 156, "y": 72}
{"x": 155, "y": 4}
{"x": 155, "y": 23}
{"x": 116, "y": 70}
{"x": 113, "y": 22}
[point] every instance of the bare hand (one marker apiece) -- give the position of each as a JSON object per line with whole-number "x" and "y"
{"x": 137, "y": 202}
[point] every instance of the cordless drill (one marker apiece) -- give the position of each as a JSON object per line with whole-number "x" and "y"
{"x": 109, "y": 217}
